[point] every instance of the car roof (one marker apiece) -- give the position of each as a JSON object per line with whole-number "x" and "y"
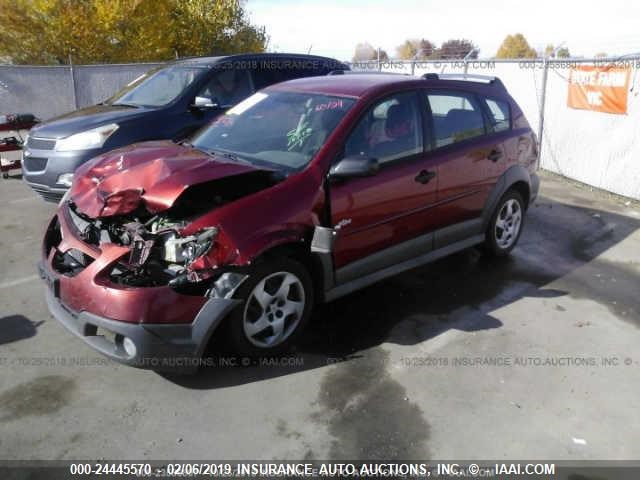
{"x": 353, "y": 85}
{"x": 206, "y": 61}
{"x": 356, "y": 84}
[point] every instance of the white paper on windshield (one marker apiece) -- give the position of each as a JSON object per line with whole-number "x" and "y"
{"x": 247, "y": 103}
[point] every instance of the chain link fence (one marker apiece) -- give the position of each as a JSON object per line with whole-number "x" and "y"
{"x": 595, "y": 148}
{"x": 51, "y": 91}
{"x": 598, "y": 149}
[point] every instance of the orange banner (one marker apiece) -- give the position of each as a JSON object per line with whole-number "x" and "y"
{"x": 602, "y": 89}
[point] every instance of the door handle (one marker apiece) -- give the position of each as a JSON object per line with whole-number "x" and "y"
{"x": 494, "y": 155}
{"x": 425, "y": 176}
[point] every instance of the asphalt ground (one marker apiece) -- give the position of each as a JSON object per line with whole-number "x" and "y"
{"x": 530, "y": 357}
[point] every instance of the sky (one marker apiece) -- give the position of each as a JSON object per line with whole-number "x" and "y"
{"x": 333, "y": 28}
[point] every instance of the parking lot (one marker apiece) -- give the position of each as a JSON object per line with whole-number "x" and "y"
{"x": 531, "y": 356}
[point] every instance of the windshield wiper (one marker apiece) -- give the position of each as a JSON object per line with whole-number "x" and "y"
{"x": 130, "y": 105}
{"x": 228, "y": 155}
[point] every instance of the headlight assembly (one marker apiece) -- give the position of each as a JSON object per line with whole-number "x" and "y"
{"x": 93, "y": 138}
{"x": 186, "y": 249}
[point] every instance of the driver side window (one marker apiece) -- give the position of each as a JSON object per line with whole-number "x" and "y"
{"x": 227, "y": 87}
{"x": 390, "y": 130}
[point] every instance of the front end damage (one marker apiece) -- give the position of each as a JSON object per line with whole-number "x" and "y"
{"x": 157, "y": 252}
{"x": 134, "y": 291}
{"x": 134, "y": 284}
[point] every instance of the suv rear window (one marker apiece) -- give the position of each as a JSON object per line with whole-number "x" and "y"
{"x": 500, "y": 114}
{"x": 456, "y": 117}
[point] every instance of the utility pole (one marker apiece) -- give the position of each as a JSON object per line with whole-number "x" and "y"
{"x": 73, "y": 83}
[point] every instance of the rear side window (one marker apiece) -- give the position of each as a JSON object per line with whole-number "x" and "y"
{"x": 390, "y": 130}
{"x": 270, "y": 72}
{"x": 227, "y": 87}
{"x": 456, "y": 117}
{"x": 500, "y": 114}
{"x": 264, "y": 77}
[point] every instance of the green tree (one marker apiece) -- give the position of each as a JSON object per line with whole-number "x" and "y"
{"x": 109, "y": 31}
{"x": 516, "y": 46}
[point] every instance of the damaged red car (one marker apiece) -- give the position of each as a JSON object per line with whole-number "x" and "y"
{"x": 300, "y": 194}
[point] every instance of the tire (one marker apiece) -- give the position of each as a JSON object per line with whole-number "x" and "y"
{"x": 277, "y": 301}
{"x": 506, "y": 224}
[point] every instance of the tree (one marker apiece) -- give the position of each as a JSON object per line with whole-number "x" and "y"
{"x": 562, "y": 52}
{"x": 426, "y": 49}
{"x": 408, "y": 50}
{"x": 92, "y": 31}
{"x": 548, "y": 50}
{"x": 365, "y": 52}
{"x": 516, "y": 46}
{"x": 457, "y": 49}
{"x": 416, "y": 49}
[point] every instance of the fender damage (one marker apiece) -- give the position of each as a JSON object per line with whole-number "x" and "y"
{"x": 145, "y": 198}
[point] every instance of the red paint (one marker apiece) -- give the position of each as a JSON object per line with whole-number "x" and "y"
{"x": 374, "y": 212}
{"x": 158, "y": 171}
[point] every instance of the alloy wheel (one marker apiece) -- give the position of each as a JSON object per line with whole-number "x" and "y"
{"x": 274, "y": 309}
{"x": 508, "y": 224}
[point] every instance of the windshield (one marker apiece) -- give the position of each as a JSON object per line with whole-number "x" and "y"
{"x": 277, "y": 129}
{"x": 156, "y": 88}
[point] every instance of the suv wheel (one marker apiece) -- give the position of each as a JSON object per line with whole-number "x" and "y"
{"x": 277, "y": 300}
{"x": 506, "y": 223}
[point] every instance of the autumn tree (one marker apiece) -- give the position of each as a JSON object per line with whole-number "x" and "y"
{"x": 408, "y": 50}
{"x": 365, "y": 52}
{"x": 516, "y": 46}
{"x": 415, "y": 49}
{"x": 550, "y": 51}
{"x": 110, "y": 31}
{"x": 426, "y": 49}
{"x": 457, "y": 49}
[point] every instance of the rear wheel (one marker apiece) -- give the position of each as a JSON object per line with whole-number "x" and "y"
{"x": 277, "y": 300}
{"x": 506, "y": 224}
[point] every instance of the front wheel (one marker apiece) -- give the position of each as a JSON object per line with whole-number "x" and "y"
{"x": 277, "y": 300}
{"x": 505, "y": 226}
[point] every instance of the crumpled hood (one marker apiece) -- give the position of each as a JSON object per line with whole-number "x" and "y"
{"x": 153, "y": 173}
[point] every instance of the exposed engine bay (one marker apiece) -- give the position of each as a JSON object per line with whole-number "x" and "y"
{"x": 159, "y": 254}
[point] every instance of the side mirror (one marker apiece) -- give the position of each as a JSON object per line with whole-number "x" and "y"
{"x": 357, "y": 166}
{"x": 204, "y": 102}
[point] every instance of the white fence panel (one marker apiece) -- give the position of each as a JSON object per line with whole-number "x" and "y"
{"x": 599, "y": 149}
